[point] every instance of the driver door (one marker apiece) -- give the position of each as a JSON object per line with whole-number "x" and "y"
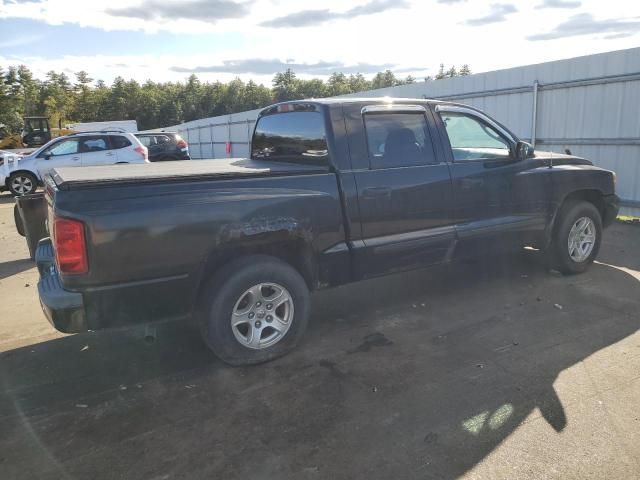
{"x": 63, "y": 153}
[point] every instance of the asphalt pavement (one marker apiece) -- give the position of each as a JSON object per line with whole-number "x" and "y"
{"x": 495, "y": 368}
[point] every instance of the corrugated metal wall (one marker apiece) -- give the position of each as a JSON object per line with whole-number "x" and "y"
{"x": 589, "y": 105}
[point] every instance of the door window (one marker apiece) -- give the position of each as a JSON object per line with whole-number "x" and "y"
{"x": 146, "y": 141}
{"x": 398, "y": 140}
{"x": 297, "y": 137}
{"x": 65, "y": 147}
{"x": 93, "y": 144}
{"x": 118, "y": 141}
{"x": 473, "y": 139}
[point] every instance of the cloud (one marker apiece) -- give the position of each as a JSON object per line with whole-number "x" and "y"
{"x": 20, "y": 41}
{"x": 451, "y": 1}
{"x": 305, "y": 18}
{"x": 498, "y": 13}
{"x": 205, "y": 10}
{"x": 613, "y": 36}
{"x": 260, "y": 66}
{"x": 559, "y": 4}
{"x": 585, "y": 24}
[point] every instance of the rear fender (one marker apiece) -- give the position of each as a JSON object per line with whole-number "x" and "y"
{"x": 285, "y": 238}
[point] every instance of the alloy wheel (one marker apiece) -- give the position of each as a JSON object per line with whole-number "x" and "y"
{"x": 262, "y": 315}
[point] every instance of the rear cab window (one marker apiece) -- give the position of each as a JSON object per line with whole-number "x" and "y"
{"x": 296, "y": 136}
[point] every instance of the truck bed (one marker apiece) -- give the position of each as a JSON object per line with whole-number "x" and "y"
{"x": 70, "y": 178}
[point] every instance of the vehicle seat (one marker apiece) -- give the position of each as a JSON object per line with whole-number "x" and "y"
{"x": 402, "y": 144}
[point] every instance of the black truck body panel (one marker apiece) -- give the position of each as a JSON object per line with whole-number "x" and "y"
{"x": 155, "y": 232}
{"x": 190, "y": 220}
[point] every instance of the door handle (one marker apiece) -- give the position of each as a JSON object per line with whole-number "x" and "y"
{"x": 109, "y": 154}
{"x": 75, "y": 159}
{"x": 376, "y": 192}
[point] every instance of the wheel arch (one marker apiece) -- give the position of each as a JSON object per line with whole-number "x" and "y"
{"x": 295, "y": 251}
{"x": 22, "y": 170}
{"x": 590, "y": 195}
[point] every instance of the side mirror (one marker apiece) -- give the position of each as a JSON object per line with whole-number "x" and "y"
{"x": 524, "y": 150}
{"x": 47, "y": 156}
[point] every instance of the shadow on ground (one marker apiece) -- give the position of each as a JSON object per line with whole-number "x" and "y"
{"x": 418, "y": 375}
{"x": 6, "y": 198}
{"x": 13, "y": 267}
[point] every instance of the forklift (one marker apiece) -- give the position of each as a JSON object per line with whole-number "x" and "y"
{"x": 35, "y": 132}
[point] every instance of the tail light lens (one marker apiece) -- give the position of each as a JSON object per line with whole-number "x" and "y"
{"x": 142, "y": 150}
{"x": 70, "y": 246}
{"x": 180, "y": 143}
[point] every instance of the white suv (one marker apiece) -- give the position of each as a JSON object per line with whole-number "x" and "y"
{"x": 22, "y": 177}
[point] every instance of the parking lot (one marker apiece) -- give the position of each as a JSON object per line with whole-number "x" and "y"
{"x": 490, "y": 369}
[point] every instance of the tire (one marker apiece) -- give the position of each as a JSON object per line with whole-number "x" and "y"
{"x": 572, "y": 218}
{"x": 232, "y": 295}
{"x": 22, "y": 183}
{"x": 18, "y": 221}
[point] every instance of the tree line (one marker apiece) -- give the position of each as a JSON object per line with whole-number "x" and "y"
{"x": 158, "y": 104}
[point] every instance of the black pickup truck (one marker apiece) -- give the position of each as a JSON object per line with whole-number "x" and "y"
{"x": 335, "y": 191}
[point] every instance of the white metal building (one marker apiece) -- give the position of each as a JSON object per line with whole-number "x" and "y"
{"x": 589, "y": 105}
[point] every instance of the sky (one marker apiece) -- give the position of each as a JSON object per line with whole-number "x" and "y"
{"x": 167, "y": 40}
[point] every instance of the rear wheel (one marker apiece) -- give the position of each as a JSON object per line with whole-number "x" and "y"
{"x": 22, "y": 183}
{"x": 577, "y": 237}
{"x": 253, "y": 310}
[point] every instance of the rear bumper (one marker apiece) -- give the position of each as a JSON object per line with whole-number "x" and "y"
{"x": 64, "y": 309}
{"x": 611, "y": 208}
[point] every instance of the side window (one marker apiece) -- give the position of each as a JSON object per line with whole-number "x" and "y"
{"x": 472, "y": 139}
{"x": 93, "y": 144}
{"x": 297, "y": 137}
{"x": 398, "y": 140}
{"x": 65, "y": 147}
{"x": 162, "y": 139}
{"x": 146, "y": 140}
{"x": 118, "y": 141}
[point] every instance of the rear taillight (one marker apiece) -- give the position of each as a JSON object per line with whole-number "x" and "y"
{"x": 180, "y": 143}
{"x": 70, "y": 246}
{"x": 142, "y": 150}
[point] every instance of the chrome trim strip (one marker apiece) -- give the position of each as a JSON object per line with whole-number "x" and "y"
{"x": 392, "y": 107}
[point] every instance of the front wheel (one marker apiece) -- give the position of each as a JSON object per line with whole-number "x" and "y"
{"x": 577, "y": 237}
{"x": 22, "y": 183}
{"x": 253, "y": 310}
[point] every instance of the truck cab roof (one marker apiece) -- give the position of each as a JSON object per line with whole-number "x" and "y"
{"x": 335, "y": 102}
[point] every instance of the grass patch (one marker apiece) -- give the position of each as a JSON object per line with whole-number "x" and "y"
{"x": 628, "y": 219}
